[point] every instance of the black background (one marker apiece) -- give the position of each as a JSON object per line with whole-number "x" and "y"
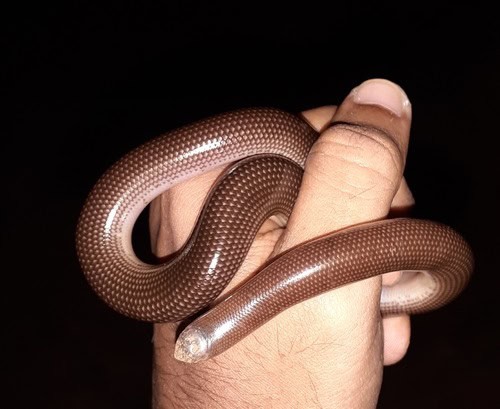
{"x": 85, "y": 84}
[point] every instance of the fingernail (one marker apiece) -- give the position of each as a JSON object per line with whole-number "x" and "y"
{"x": 383, "y": 93}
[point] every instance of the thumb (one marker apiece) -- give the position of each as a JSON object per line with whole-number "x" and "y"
{"x": 352, "y": 175}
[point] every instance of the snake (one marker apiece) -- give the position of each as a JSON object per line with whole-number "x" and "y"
{"x": 264, "y": 151}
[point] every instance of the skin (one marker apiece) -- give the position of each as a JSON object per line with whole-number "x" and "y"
{"x": 327, "y": 352}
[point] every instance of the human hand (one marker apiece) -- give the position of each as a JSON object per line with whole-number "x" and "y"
{"x": 327, "y": 351}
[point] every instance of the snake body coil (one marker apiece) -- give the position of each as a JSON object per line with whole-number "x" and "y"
{"x": 270, "y": 148}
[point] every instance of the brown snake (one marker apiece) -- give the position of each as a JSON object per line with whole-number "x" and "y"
{"x": 276, "y": 145}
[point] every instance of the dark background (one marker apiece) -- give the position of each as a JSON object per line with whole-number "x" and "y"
{"x": 85, "y": 84}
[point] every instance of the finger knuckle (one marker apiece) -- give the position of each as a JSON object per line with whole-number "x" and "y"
{"x": 368, "y": 159}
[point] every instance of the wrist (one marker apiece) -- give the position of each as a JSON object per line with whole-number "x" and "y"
{"x": 326, "y": 352}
